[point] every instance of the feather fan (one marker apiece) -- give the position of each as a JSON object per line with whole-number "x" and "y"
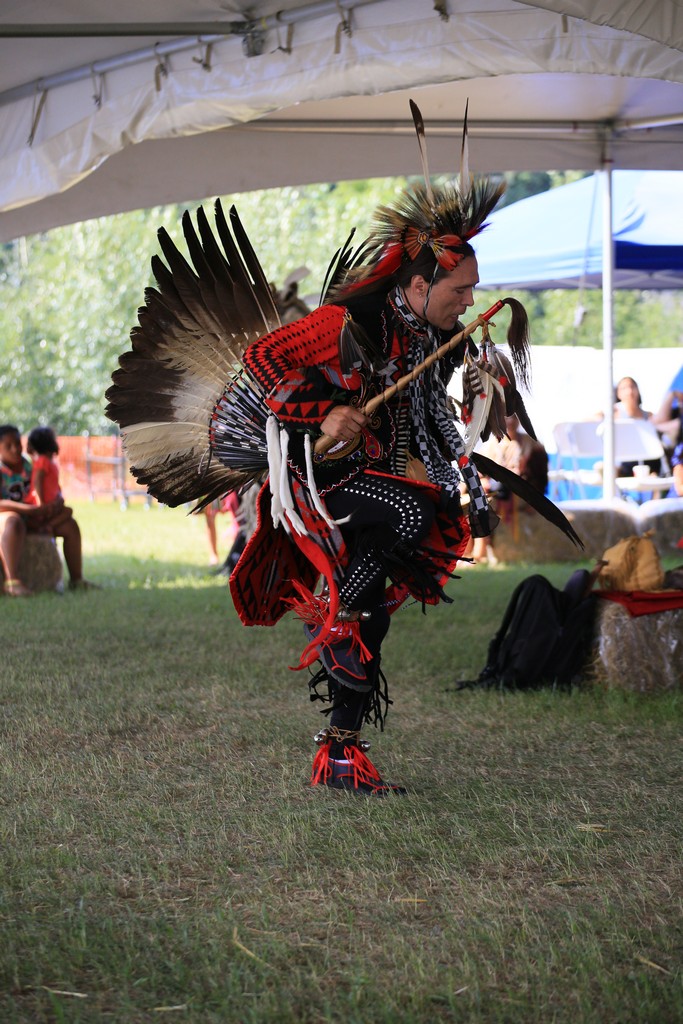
{"x": 544, "y": 506}
{"x": 192, "y": 422}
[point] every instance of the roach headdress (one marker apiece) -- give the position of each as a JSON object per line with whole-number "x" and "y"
{"x": 426, "y": 218}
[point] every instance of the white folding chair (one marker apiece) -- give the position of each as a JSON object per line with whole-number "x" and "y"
{"x": 577, "y": 441}
{"x": 637, "y": 441}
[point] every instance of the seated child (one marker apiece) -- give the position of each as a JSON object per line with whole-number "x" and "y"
{"x": 45, "y": 489}
{"x": 18, "y": 516}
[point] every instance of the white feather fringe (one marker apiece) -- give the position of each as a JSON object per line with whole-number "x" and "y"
{"x": 310, "y": 480}
{"x": 293, "y": 517}
{"x": 482, "y": 407}
{"x": 274, "y": 470}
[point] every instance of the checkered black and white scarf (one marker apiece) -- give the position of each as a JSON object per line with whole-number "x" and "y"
{"x": 429, "y": 408}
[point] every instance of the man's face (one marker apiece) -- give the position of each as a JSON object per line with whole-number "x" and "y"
{"x": 451, "y": 295}
{"x": 10, "y": 450}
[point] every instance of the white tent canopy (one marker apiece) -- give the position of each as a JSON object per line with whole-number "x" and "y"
{"x": 108, "y": 109}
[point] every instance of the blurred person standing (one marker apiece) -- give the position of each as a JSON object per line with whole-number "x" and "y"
{"x": 669, "y": 421}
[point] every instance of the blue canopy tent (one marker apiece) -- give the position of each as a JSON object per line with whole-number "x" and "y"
{"x": 555, "y": 239}
{"x": 620, "y": 228}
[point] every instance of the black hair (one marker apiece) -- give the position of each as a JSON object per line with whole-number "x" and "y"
{"x": 8, "y": 428}
{"x": 42, "y": 441}
{"x": 635, "y": 384}
{"x": 360, "y": 281}
{"x": 425, "y": 262}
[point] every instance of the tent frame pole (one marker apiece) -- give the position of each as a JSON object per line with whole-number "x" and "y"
{"x": 608, "y": 469}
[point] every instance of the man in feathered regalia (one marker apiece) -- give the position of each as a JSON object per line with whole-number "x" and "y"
{"x": 347, "y": 412}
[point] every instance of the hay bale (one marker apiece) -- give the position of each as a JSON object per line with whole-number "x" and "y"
{"x": 525, "y": 536}
{"x": 641, "y": 653}
{"x": 600, "y": 524}
{"x": 40, "y": 566}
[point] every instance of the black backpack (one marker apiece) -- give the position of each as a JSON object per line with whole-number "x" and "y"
{"x": 545, "y": 636}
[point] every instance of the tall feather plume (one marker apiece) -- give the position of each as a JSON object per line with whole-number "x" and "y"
{"x": 442, "y": 217}
{"x": 192, "y": 422}
{"x": 465, "y": 155}
{"x": 422, "y": 146}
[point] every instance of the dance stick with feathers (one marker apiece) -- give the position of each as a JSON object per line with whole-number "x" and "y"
{"x": 481, "y": 426}
{"x": 324, "y": 443}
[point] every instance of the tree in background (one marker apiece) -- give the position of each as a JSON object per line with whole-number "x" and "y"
{"x": 67, "y": 298}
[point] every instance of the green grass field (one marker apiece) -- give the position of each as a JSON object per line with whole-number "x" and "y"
{"x": 163, "y": 858}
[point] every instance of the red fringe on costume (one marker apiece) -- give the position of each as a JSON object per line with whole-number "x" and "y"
{"x": 360, "y": 767}
{"x": 315, "y": 611}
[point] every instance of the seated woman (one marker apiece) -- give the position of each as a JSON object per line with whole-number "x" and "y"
{"x": 629, "y": 405}
{"x": 18, "y": 517}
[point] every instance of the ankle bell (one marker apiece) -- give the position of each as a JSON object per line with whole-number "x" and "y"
{"x": 331, "y": 734}
{"x": 349, "y": 615}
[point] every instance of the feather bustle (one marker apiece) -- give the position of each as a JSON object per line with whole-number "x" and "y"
{"x": 178, "y": 393}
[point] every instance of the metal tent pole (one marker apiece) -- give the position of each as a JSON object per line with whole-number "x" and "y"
{"x": 608, "y": 470}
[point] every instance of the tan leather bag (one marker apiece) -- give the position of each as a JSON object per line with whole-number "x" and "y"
{"x": 632, "y": 564}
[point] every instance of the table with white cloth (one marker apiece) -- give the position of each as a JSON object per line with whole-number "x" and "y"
{"x": 657, "y": 485}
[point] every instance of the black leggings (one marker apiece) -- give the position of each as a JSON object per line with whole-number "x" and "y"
{"x": 383, "y": 510}
{"x": 350, "y": 705}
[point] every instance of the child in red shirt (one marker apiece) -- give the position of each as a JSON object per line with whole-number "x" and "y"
{"x": 42, "y": 447}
